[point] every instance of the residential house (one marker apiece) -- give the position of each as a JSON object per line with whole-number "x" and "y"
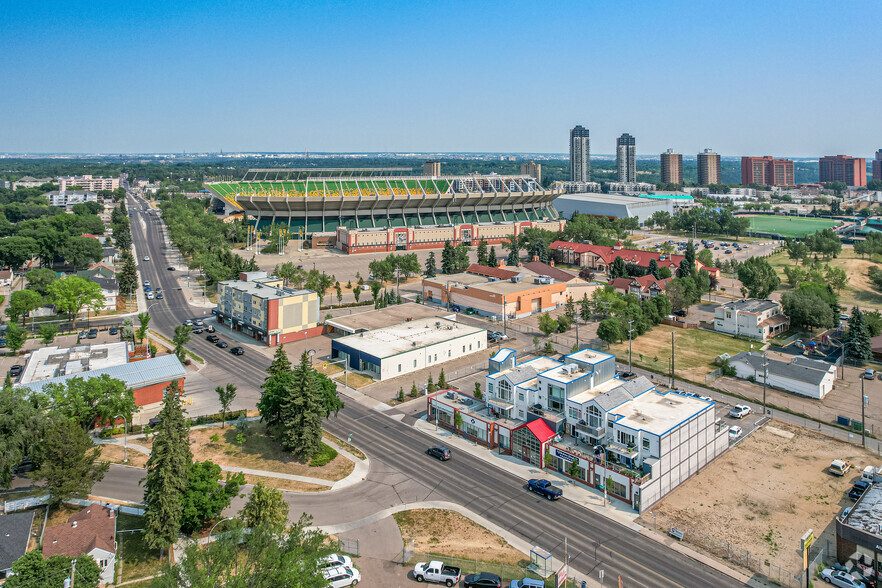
{"x": 5, "y": 278}
{"x": 643, "y": 287}
{"x": 600, "y": 257}
{"x": 802, "y": 376}
{"x": 110, "y": 289}
{"x": 92, "y": 531}
{"x": 110, "y": 255}
{"x": 15, "y": 533}
{"x": 751, "y": 317}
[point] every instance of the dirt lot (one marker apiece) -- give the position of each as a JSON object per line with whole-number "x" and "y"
{"x": 764, "y": 494}
{"x": 461, "y": 537}
{"x": 115, "y": 453}
{"x": 859, "y": 292}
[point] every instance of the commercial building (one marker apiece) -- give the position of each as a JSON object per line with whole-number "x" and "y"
{"x": 578, "y": 187}
{"x": 15, "y": 529}
{"x": 433, "y": 237}
{"x": 408, "y": 346}
{"x": 92, "y": 531}
{"x": 751, "y": 317}
{"x": 576, "y": 286}
{"x": 432, "y": 169}
{"x": 531, "y": 168}
{"x": 497, "y": 292}
{"x": 147, "y": 377}
{"x": 261, "y": 307}
{"x": 877, "y": 166}
{"x": 614, "y": 206}
{"x": 671, "y": 167}
{"x": 626, "y": 158}
{"x": 87, "y": 182}
{"x": 361, "y": 322}
{"x": 802, "y": 376}
{"x": 857, "y": 533}
{"x": 766, "y": 171}
{"x": 631, "y": 187}
{"x": 30, "y": 182}
{"x": 576, "y": 417}
{"x": 842, "y": 168}
{"x": 600, "y": 257}
{"x": 580, "y": 154}
{"x": 709, "y": 168}
{"x": 66, "y": 200}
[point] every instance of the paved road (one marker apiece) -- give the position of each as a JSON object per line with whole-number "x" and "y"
{"x": 401, "y": 473}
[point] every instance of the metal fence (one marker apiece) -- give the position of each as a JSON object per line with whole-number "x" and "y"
{"x": 505, "y": 571}
{"x": 25, "y": 503}
{"x": 713, "y": 376}
{"x": 348, "y": 546}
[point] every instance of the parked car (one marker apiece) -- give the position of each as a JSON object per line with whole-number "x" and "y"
{"x": 839, "y": 467}
{"x": 840, "y": 578}
{"x": 455, "y": 308}
{"x": 26, "y": 465}
{"x": 844, "y": 317}
{"x": 440, "y": 452}
{"x": 16, "y": 370}
{"x": 437, "y": 572}
{"x": 482, "y": 580}
{"x": 146, "y": 258}
{"x": 545, "y": 488}
{"x": 92, "y": 334}
{"x": 170, "y": 268}
{"x": 501, "y": 336}
{"x": 681, "y": 312}
{"x": 869, "y": 374}
{"x": 150, "y": 295}
{"x": 844, "y": 513}
{"x": 146, "y": 282}
{"x": 237, "y": 351}
{"x": 159, "y": 296}
{"x": 341, "y": 576}
{"x": 735, "y": 432}
{"x": 527, "y": 583}
{"x": 213, "y": 338}
{"x": 113, "y": 330}
{"x": 154, "y": 422}
{"x": 334, "y": 560}
{"x": 858, "y": 489}
{"x": 739, "y": 411}
{"x": 223, "y": 345}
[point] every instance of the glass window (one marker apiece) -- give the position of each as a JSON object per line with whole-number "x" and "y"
{"x": 463, "y": 348}
{"x": 414, "y": 363}
{"x": 626, "y": 438}
{"x": 521, "y": 396}
{"x": 505, "y": 390}
{"x": 646, "y": 443}
{"x": 399, "y": 368}
{"x": 490, "y": 388}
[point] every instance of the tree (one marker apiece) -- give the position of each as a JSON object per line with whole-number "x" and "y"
{"x": 205, "y": 497}
{"x": 461, "y": 257}
{"x": 16, "y": 250}
{"x": 168, "y": 472}
{"x": 330, "y": 398}
{"x": 127, "y": 277}
{"x": 431, "y": 271}
{"x": 92, "y": 401}
{"x": 492, "y": 260}
{"x": 181, "y": 338}
{"x": 482, "y": 252}
{"x": 225, "y": 395}
{"x": 653, "y": 268}
{"x": 47, "y": 333}
{"x": 448, "y": 260}
{"x": 678, "y": 294}
{"x": 856, "y": 341}
{"x": 73, "y": 294}
{"x": 585, "y": 308}
{"x": 690, "y": 257}
{"x": 339, "y": 289}
{"x": 67, "y": 461}
{"x": 706, "y": 257}
{"x": 570, "y": 309}
{"x": 796, "y": 250}
{"x": 684, "y": 270}
{"x": 618, "y": 269}
{"x": 21, "y": 426}
{"x": 15, "y": 336}
{"x": 375, "y": 289}
{"x": 547, "y": 324}
{"x": 807, "y": 309}
{"x": 39, "y": 280}
{"x": 122, "y": 236}
{"x": 144, "y": 320}
{"x": 21, "y": 302}
{"x": 301, "y": 412}
{"x": 356, "y": 291}
{"x": 610, "y": 330}
{"x": 266, "y": 557}
{"x": 274, "y": 388}
{"x": 477, "y": 393}
{"x": 874, "y": 322}
{"x": 514, "y": 251}
{"x": 442, "y": 381}
{"x": 758, "y": 276}
{"x": 836, "y": 277}
{"x": 32, "y": 571}
{"x": 265, "y": 507}
{"x": 430, "y": 386}
{"x": 81, "y": 251}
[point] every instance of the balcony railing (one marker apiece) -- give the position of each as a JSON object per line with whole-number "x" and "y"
{"x": 596, "y": 432}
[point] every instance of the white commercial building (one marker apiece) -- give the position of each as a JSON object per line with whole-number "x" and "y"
{"x": 803, "y": 376}
{"x": 407, "y": 347}
{"x": 751, "y": 317}
{"x": 87, "y": 182}
{"x": 66, "y": 200}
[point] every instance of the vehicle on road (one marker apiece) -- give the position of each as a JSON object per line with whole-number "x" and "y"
{"x": 680, "y": 313}
{"x": 150, "y": 296}
{"x": 334, "y": 560}
{"x": 735, "y": 432}
{"x": 146, "y": 258}
{"x": 527, "y": 583}
{"x": 197, "y": 330}
{"x": 839, "y": 467}
{"x": 437, "y": 572}
{"x": 198, "y": 322}
{"x": 113, "y": 331}
{"x": 223, "y": 345}
{"x": 146, "y": 282}
{"x": 739, "y": 411}
{"x": 188, "y": 322}
{"x": 858, "y": 489}
{"x": 159, "y": 296}
{"x": 16, "y": 370}
{"x": 482, "y": 580}
{"x": 237, "y": 350}
{"x": 213, "y": 338}
{"x": 92, "y": 334}
{"x": 544, "y": 488}
{"x": 341, "y": 576}
{"x": 170, "y": 268}
{"x": 841, "y": 579}
{"x": 440, "y": 452}
{"x": 869, "y": 374}
{"x": 209, "y": 329}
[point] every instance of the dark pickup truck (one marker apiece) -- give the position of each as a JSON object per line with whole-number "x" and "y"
{"x": 545, "y": 488}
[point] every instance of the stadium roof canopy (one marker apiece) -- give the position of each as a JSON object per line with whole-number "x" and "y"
{"x": 301, "y": 173}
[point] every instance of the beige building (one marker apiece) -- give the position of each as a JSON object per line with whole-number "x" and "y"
{"x": 671, "y": 167}
{"x": 531, "y": 168}
{"x": 709, "y": 170}
{"x": 432, "y": 169}
{"x": 260, "y": 306}
{"x": 87, "y": 183}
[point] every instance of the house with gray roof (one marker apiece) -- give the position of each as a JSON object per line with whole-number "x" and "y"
{"x": 751, "y": 317}
{"x": 15, "y": 533}
{"x": 801, "y": 376}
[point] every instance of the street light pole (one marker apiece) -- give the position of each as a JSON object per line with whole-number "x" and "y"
{"x": 125, "y": 436}
{"x": 765, "y": 379}
{"x": 215, "y": 525}
{"x": 630, "y": 322}
{"x": 863, "y": 423}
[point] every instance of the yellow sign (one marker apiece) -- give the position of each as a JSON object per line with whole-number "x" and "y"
{"x": 808, "y": 539}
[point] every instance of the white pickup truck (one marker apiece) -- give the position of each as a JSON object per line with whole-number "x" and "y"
{"x": 872, "y": 474}
{"x": 436, "y": 571}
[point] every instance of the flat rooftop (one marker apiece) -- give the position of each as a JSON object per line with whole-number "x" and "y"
{"x": 659, "y": 412}
{"x": 387, "y": 317}
{"x": 54, "y": 361}
{"x": 586, "y": 395}
{"x": 137, "y": 374}
{"x": 866, "y": 515}
{"x": 589, "y": 356}
{"x": 407, "y": 336}
{"x": 750, "y": 305}
{"x": 606, "y": 198}
{"x": 261, "y": 289}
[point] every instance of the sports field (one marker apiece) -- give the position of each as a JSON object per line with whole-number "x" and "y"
{"x": 789, "y": 226}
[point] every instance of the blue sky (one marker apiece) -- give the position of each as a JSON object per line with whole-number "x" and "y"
{"x": 740, "y": 77}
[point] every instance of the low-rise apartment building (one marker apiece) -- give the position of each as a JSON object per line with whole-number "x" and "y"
{"x": 261, "y": 307}
{"x": 87, "y": 182}
{"x": 751, "y": 317}
{"x": 66, "y": 200}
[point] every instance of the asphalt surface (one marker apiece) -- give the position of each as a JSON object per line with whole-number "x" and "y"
{"x": 401, "y": 472}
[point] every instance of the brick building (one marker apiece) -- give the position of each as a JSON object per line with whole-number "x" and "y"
{"x": 842, "y": 168}
{"x": 767, "y": 171}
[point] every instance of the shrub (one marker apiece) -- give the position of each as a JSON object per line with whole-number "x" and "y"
{"x": 215, "y": 418}
{"x": 323, "y": 457}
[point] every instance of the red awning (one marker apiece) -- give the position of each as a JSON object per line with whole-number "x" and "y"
{"x": 541, "y": 430}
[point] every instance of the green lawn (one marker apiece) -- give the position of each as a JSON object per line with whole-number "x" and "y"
{"x": 789, "y": 226}
{"x": 138, "y": 560}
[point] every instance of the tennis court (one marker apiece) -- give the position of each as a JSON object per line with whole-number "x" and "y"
{"x": 789, "y": 226}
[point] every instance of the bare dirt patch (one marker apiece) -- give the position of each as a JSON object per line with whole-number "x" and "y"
{"x": 764, "y": 494}
{"x": 280, "y": 484}
{"x": 445, "y": 532}
{"x": 114, "y": 454}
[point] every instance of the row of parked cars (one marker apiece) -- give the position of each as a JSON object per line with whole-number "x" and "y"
{"x": 440, "y": 573}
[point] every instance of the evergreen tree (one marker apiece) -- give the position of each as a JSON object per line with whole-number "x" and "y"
{"x": 442, "y": 381}
{"x": 431, "y": 271}
{"x": 570, "y": 308}
{"x": 585, "y": 308}
{"x": 618, "y": 269}
{"x": 414, "y": 392}
{"x": 539, "y": 250}
{"x": 460, "y": 257}
{"x": 68, "y": 461}
{"x": 301, "y": 412}
{"x": 482, "y": 252}
{"x": 690, "y": 257}
{"x": 492, "y": 261}
{"x": 168, "y": 472}
{"x": 857, "y": 339}
{"x": 684, "y": 270}
{"x": 448, "y": 262}
{"x": 275, "y": 387}
{"x": 653, "y": 268}
{"x": 430, "y": 387}
{"x": 265, "y": 506}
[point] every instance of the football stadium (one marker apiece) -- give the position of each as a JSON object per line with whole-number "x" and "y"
{"x": 384, "y": 209}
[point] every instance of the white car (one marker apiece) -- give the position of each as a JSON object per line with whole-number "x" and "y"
{"x": 146, "y": 282}
{"x": 341, "y": 576}
{"x": 842, "y": 579}
{"x": 149, "y": 295}
{"x": 735, "y": 432}
{"x": 334, "y": 560}
{"x": 146, "y": 258}
{"x": 739, "y": 411}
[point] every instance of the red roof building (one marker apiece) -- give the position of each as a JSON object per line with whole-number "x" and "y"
{"x": 91, "y": 531}
{"x": 600, "y": 257}
{"x": 643, "y": 287}
{"x": 541, "y": 430}
{"x": 491, "y": 272}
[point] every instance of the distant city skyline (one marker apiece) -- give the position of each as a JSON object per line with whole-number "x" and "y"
{"x": 202, "y": 76}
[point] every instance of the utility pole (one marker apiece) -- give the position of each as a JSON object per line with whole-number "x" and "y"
{"x": 630, "y": 322}
{"x": 73, "y": 571}
{"x": 863, "y": 423}
{"x": 765, "y": 379}
{"x": 672, "y": 360}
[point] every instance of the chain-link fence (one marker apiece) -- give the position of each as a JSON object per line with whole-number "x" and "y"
{"x": 348, "y": 546}
{"x": 713, "y": 376}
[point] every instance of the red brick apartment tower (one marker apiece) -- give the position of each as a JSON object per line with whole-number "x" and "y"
{"x": 767, "y": 171}
{"x": 842, "y": 168}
